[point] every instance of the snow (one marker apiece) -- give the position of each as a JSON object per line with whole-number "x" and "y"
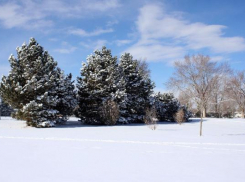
{"x": 122, "y": 153}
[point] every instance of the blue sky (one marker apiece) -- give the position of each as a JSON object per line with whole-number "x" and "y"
{"x": 159, "y": 32}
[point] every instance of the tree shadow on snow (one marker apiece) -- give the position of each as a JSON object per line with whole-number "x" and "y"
{"x": 191, "y": 121}
{"x": 166, "y": 123}
{"x": 196, "y": 120}
{"x": 72, "y": 124}
{"x": 78, "y": 124}
{"x": 239, "y": 134}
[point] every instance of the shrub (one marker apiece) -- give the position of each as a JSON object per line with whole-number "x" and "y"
{"x": 180, "y": 116}
{"x": 150, "y": 117}
{"x": 110, "y": 112}
{"x": 166, "y": 106}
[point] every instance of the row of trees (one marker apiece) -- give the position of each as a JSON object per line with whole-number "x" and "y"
{"x": 103, "y": 79}
{"x": 109, "y": 91}
{"x": 208, "y": 86}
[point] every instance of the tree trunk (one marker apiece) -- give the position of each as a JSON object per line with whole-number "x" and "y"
{"x": 201, "y": 126}
{"x": 242, "y": 114}
{"x": 216, "y": 104}
{"x": 204, "y": 113}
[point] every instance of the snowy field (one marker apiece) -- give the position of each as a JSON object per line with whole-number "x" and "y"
{"x": 128, "y": 153}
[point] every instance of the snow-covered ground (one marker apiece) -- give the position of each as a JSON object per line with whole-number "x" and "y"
{"x": 128, "y": 153}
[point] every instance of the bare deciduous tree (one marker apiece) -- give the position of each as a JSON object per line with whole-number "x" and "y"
{"x": 150, "y": 118}
{"x": 196, "y": 76}
{"x": 236, "y": 90}
{"x": 219, "y": 98}
{"x": 185, "y": 99}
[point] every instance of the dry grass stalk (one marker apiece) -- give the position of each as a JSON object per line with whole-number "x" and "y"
{"x": 150, "y": 118}
{"x": 180, "y": 116}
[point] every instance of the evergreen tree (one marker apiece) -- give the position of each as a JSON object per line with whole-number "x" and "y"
{"x": 5, "y": 109}
{"x": 138, "y": 87}
{"x": 99, "y": 82}
{"x": 31, "y": 86}
{"x": 66, "y": 96}
{"x": 187, "y": 113}
{"x": 167, "y": 106}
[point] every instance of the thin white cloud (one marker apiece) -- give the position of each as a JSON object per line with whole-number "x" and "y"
{"x": 167, "y": 36}
{"x": 65, "y": 51}
{"x": 102, "y": 5}
{"x": 53, "y": 39}
{"x": 98, "y": 44}
{"x": 86, "y": 45}
{"x": 31, "y": 14}
{"x": 156, "y": 52}
{"x": 26, "y": 14}
{"x": 123, "y": 42}
{"x": 111, "y": 23}
{"x": 14, "y": 15}
{"x": 66, "y": 48}
{"x": 84, "y": 33}
{"x": 217, "y": 58}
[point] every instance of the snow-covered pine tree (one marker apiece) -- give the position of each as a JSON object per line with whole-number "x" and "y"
{"x": 138, "y": 88}
{"x": 187, "y": 113}
{"x": 11, "y": 84}
{"x": 100, "y": 81}
{"x": 167, "y": 106}
{"x": 66, "y": 96}
{"x": 30, "y": 86}
{"x": 5, "y": 109}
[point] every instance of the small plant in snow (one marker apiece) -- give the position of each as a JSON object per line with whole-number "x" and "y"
{"x": 180, "y": 116}
{"x": 150, "y": 118}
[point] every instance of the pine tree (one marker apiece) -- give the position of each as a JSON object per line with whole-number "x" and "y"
{"x": 167, "y": 106}
{"x": 138, "y": 88}
{"x": 5, "y": 109}
{"x": 31, "y": 86}
{"x": 99, "y": 82}
{"x": 66, "y": 96}
{"x": 187, "y": 113}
